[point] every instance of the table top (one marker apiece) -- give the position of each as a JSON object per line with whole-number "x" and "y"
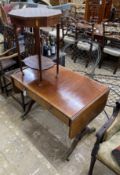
{"x": 35, "y": 17}
{"x": 34, "y": 12}
{"x": 69, "y": 93}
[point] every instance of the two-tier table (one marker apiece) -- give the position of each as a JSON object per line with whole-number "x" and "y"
{"x": 36, "y": 18}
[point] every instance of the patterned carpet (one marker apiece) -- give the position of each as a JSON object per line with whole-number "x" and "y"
{"x": 103, "y": 75}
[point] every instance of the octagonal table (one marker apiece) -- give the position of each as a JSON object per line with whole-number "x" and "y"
{"x": 36, "y": 18}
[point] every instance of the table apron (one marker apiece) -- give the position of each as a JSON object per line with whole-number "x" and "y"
{"x": 42, "y": 102}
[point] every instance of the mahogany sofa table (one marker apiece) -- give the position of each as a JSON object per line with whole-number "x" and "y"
{"x": 73, "y": 98}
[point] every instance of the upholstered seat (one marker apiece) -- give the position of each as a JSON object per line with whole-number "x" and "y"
{"x": 108, "y": 138}
{"x": 111, "y": 42}
{"x": 7, "y": 63}
{"x": 86, "y": 46}
{"x": 53, "y": 33}
{"x": 69, "y": 39}
{"x": 104, "y": 153}
{"x": 112, "y": 51}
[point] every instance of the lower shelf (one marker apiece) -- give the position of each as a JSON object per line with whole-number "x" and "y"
{"x": 33, "y": 62}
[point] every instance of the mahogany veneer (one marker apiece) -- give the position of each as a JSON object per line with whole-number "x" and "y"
{"x": 35, "y": 17}
{"x": 73, "y": 98}
{"x": 33, "y": 62}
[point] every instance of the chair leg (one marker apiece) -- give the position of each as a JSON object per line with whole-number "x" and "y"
{"x": 88, "y": 59}
{"x": 5, "y": 86}
{"x": 75, "y": 55}
{"x": 74, "y": 59}
{"x": 23, "y": 101}
{"x": 93, "y": 157}
{"x": 92, "y": 163}
{"x": 116, "y": 66}
{"x": 101, "y": 60}
{"x": 1, "y": 84}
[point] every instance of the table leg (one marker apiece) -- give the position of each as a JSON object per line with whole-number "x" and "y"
{"x": 38, "y": 50}
{"x": 28, "y": 109}
{"x": 18, "y": 49}
{"x": 58, "y": 48}
{"x": 87, "y": 130}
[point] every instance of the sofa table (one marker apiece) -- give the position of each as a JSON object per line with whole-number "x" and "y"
{"x": 73, "y": 98}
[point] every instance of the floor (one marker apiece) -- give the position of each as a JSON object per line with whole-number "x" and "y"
{"x": 37, "y": 145}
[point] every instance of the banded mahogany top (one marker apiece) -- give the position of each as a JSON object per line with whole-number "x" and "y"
{"x": 35, "y": 17}
{"x": 70, "y": 93}
{"x": 34, "y": 12}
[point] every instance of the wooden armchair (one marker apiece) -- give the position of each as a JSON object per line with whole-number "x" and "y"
{"x": 111, "y": 42}
{"x": 108, "y": 138}
{"x": 9, "y": 57}
{"x": 9, "y": 61}
{"x": 8, "y": 52}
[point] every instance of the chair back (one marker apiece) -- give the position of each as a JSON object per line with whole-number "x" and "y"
{"x": 111, "y": 34}
{"x": 58, "y": 2}
{"x": 78, "y": 8}
{"x": 115, "y": 15}
{"x": 86, "y": 30}
{"x": 9, "y": 37}
{"x": 29, "y": 43}
{"x": 114, "y": 128}
{"x": 93, "y": 11}
{"x": 78, "y": 1}
{"x": 3, "y": 15}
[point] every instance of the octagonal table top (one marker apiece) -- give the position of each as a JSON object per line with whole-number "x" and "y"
{"x": 34, "y": 12}
{"x": 35, "y": 17}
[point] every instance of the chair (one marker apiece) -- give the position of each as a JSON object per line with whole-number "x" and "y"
{"x": 3, "y": 15}
{"x": 86, "y": 42}
{"x": 116, "y": 9}
{"x": 78, "y": 8}
{"x": 9, "y": 62}
{"x": 8, "y": 52}
{"x": 69, "y": 30}
{"x": 115, "y": 15}
{"x": 93, "y": 11}
{"x": 111, "y": 42}
{"x": 108, "y": 138}
{"x": 52, "y": 31}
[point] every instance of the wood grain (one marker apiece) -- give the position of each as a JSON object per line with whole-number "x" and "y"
{"x": 33, "y": 62}
{"x": 73, "y": 98}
